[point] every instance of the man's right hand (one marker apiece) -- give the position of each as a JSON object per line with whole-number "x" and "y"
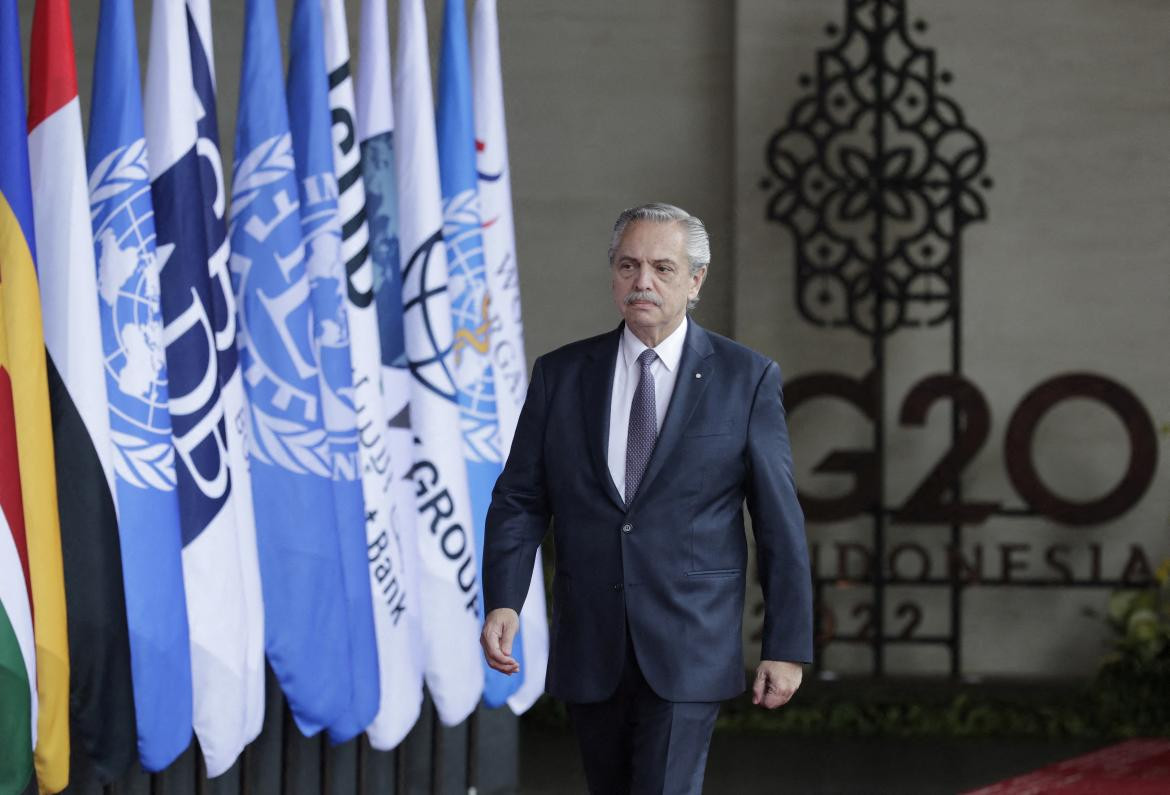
{"x": 499, "y": 630}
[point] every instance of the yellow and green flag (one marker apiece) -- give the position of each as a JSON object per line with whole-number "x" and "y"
{"x": 24, "y": 370}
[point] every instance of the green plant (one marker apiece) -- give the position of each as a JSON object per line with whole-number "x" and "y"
{"x": 1132, "y": 689}
{"x": 1141, "y": 621}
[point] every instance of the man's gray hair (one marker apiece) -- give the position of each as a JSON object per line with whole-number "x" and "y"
{"x": 698, "y": 245}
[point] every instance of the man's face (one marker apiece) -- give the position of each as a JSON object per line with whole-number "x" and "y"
{"x": 652, "y": 279}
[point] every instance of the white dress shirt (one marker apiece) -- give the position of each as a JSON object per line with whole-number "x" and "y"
{"x": 626, "y": 373}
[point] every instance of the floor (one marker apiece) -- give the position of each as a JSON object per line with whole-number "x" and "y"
{"x": 762, "y": 763}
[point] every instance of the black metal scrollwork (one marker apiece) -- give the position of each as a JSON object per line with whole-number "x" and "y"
{"x": 875, "y": 174}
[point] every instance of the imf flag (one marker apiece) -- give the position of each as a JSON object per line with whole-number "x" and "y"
{"x": 308, "y": 95}
{"x": 306, "y": 634}
{"x": 134, "y": 356}
{"x": 470, "y": 299}
{"x": 218, "y": 573}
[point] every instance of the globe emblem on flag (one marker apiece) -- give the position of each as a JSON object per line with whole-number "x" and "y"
{"x": 277, "y": 349}
{"x": 128, "y": 289}
{"x": 135, "y": 354}
{"x": 425, "y": 309}
{"x": 471, "y": 320}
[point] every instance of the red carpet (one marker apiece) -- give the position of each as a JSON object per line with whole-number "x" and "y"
{"x": 1134, "y": 767}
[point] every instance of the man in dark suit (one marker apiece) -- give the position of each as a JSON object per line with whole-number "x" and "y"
{"x": 641, "y": 446}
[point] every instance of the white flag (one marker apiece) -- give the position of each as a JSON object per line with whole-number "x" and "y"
{"x": 234, "y": 402}
{"x": 507, "y": 341}
{"x": 393, "y": 556}
{"x": 222, "y": 577}
{"x": 449, "y": 577}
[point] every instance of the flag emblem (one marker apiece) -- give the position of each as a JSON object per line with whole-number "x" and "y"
{"x": 278, "y": 359}
{"x": 135, "y": 353}
{"x": 424, "y": 289}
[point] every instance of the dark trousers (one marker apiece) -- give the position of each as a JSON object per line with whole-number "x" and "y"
{"x": 637, "y": 743}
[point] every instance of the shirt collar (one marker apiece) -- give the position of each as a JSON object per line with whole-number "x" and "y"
{"x": 669, "y": 350}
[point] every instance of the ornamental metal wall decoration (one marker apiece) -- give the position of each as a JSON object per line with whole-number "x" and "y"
{"x": 876, "y": 173}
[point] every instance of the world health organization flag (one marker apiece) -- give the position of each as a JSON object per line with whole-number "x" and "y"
{"x": 499, "y": 253}
{"x": 308, "y": 104}
{"x": 306, "y": 633}
{"x": 134, "y": 357}
{"x": 470, "y": 298}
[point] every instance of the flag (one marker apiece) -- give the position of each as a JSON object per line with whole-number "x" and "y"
{"x": 379, "y": 461}
{"x": 470, "y": 298}
{"x": 393, "y": 553}
{"x": 18, "y": 713}
{"x": 312, "y": 128}
{"x": 223, "y": 302}
{"x": 449, "y": 572}
{"x": 134, "y": 360}
{"x": 507, "y": 341}
{"x": 216, "y": 572}
{"x": 18, "y": 675}
{"x": 101, "y": 696}
{"x": 306, "y": 634}
{"x": 25, "y": 366}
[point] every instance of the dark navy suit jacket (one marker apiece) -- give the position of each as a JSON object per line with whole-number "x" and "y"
{"x": 673, "y": 562}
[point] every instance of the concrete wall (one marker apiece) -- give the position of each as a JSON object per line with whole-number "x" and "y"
{"x": 1071, "y": 272}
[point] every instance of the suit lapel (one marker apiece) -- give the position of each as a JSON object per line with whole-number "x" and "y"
{"x": 694, "y": 373}
{"x": 596, "y": 392}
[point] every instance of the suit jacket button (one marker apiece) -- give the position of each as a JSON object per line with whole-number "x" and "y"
{"x": 618, "y": 587}
{"x": 627, "y": 528}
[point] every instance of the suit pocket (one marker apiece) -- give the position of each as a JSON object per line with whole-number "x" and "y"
{"x": 715, "y": 573}
{"x": 715, "y": 428}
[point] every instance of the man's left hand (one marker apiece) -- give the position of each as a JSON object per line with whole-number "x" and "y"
{"x": 775, "y": 683}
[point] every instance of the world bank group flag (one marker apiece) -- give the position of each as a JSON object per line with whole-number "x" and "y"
{"x": 39, "y": 721}
{"x": 309, "y": 114}
{"x": 499, "y": 252}
{"x": 134, "y": 357}
{"x": 470, "y": 298}
{"x": 449, "y": 581}
{"x": 393, "y": 553}
{"x": 217, "y": 571}
{"x": 307, "y": 634}
{"x": 223, "y": 305}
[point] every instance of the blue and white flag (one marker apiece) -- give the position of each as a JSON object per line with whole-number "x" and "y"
{"x": 449, "y": 574}
{"x": 224, "y": 308}
{"x": 499, "y": 254}
{"x": 309, "y": 114}
{"x": 134, "y": 356}
{"x": 470, "y": 298}
{"x": 393, "y": 554}
{"x": 217, "y": 574}
{"x": 306, "y": 632}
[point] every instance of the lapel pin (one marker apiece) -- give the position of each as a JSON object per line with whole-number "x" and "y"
{"x": 698, "y": 375}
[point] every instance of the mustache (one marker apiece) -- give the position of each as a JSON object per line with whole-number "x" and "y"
{"x": 642, "y": 295}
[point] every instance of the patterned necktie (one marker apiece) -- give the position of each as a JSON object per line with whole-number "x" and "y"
{"x": 643, "y": 426}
